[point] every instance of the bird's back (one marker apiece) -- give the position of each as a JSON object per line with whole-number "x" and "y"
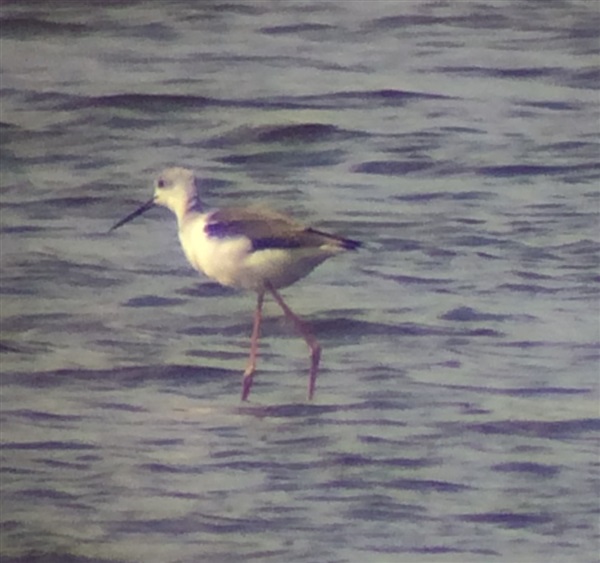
{"x": 267, "y": 228}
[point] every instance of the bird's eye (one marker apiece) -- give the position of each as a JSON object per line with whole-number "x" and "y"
{"x": 160, "y": 183}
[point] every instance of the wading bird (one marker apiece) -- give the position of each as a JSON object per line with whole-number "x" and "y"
{"x": 249, "y": 248}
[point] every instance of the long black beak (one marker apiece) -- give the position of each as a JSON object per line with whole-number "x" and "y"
{"x": 133, "y": 215}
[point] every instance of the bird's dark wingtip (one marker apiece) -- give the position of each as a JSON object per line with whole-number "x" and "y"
{"x": 350, "y": 244}
{"x": 341, "y": 242}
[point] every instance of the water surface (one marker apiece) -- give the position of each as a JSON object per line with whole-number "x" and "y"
{"x": 456, "y": 414}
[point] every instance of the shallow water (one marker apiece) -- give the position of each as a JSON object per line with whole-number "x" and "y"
{"x": 456, "y": 415}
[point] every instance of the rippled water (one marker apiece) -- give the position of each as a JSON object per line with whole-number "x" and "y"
{"x": 456, "y": 415}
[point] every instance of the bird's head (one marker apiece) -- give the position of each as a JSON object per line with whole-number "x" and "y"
{"x": 175, "y": 188}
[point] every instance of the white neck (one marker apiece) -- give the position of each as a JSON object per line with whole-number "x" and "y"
{"x": 184, "y": 209}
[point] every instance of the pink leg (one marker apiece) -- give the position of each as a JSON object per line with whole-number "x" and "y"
{"x": 302, "y": 328}
{"x": 251, "y": 367}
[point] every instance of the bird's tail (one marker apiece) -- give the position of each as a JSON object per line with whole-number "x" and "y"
{"x": 341, "y": 242}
